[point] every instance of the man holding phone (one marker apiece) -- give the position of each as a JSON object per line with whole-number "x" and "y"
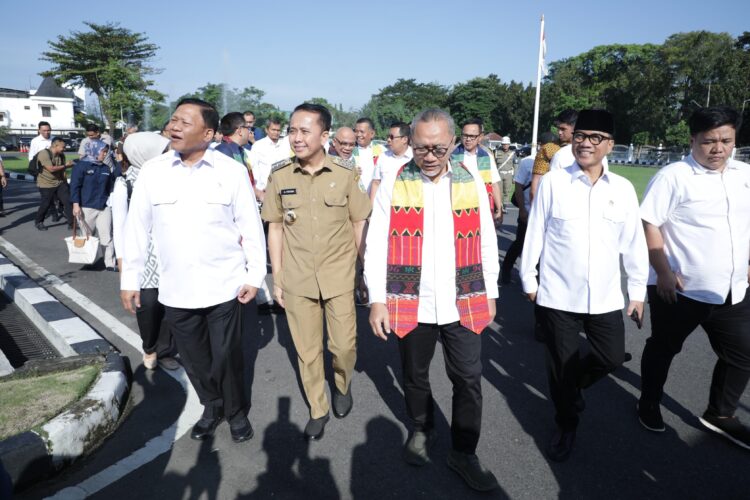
{"x": 582, "y": 219}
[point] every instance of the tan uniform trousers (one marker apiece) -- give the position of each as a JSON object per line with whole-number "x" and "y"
{"x": 305, "y": 318}
{"x": 506, "y": 181}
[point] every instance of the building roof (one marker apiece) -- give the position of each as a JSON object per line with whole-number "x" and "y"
{"x": 49, "y": 88}
{"x": 19, "y": 94}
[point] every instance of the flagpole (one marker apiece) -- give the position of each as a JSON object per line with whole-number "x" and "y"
{"x": 539, "y": 64}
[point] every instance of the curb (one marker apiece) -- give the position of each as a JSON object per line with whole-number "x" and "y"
{"x": 29, "y": 456}
{"x": 20, "y": 177}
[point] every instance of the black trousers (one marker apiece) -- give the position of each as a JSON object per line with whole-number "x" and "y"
{"x": 515, "y": 249}
{"x": 155, "y": 333}
{"x": 48, "y": 194}
{"x": 728, "y": 329}
{"x": 209, "y": 341}
{"x": 462, "y": 349}
{"x": 567, "y": 372}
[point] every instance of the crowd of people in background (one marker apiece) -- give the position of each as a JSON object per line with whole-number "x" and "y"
{"x": 191, "y": 217}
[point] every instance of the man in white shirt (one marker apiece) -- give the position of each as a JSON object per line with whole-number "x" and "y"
{"x": 481, "y": 162}
{"x": 399, "y": 153}
{"x": 429, "y": 277}
{"x": 41, "y": 141}
{"x": 696, "y": 214}
{"x": 582, "y": 220}
{"x": 565, "y": 123}
{"x": 199, "y": 207}
{"x": 366, "y": 154}
{"x": 267, "y": 151}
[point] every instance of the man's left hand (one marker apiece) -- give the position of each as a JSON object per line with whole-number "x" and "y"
{"x": 493, "y": 308}
{"x": 498, "y": 217}
{"x": 3, "y": 181}
{"x": 636, "y": 306}
{"x": 246, "y": 294}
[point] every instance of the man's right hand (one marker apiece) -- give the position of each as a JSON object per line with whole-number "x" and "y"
{"x": 379, "y": 322}
{"x": 131, "y": 300}
{"x": 76, "y": 210}
{"x": 666, "y": 286}
{"x": 532, "y": 296}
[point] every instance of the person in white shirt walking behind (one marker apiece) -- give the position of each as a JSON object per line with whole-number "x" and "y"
{"x": 198, "y": 206}
{"x": 399, "y": 154}
{"x": 696, "y": 214}
{"x": 582, "y": 219}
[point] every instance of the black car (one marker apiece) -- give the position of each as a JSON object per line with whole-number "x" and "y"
{"x": 71, "y": 144}
{"x": 7, "y": 146}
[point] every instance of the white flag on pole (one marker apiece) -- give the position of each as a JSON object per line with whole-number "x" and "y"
{"x": 542, "y": 61}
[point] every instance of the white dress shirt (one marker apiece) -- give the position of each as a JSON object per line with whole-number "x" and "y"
{"x": 37, "y": 144}
{"x": 388, "y": 165}
{"x": 206, "y": 229}
{"x": 704, "y": 217}
{"x": 366, "y": 162}
{"x": 523, "y": 176}
{"x": 264, "y": 154}
{"x": 577, "y": 232}
{"x": 437, "y": 285}
{"x": 470, "y": 162}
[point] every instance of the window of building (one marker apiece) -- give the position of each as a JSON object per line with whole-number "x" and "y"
{"x": 46, "y": 111}
{"x": 27, "y": 107}
{"x": 2, "y": 117}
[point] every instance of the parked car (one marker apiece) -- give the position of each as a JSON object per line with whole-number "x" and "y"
{"x": 7, "y": 146}
{"x": 71, "y": 144}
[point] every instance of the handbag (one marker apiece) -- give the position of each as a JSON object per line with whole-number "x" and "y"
{"x": 82, "y": 249}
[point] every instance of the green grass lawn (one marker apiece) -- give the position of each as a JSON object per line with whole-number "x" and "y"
{"x": 21, "y": 164}
{"x": 29, "y": 402}
{"x": 639, "y": 176}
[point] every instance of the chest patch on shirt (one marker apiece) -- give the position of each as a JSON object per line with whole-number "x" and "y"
{"x": 288, "y": 191}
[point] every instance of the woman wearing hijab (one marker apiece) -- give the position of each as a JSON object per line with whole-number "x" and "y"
{"x": 158, "y": 343}
{"x": 90, "y": 185}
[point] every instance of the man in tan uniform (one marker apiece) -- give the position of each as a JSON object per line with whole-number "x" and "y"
{"x": 316, "y": 207}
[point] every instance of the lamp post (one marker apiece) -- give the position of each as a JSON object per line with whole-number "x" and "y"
{"x": 742, "y": 113}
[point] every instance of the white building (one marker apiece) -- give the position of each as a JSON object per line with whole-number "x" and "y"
{"x": 21, "y": 110}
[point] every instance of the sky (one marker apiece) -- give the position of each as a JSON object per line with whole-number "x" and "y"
{"x": 347, "y": 51}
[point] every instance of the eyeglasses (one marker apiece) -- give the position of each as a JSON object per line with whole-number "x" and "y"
{"x": 391, "y": 137}
{"x": 249, "y": 124}
{"x": 470, "y": 137}
{"x": 345, "y": 144}
{"x": 437, "y": 151}
{"x": 594, "y": 139}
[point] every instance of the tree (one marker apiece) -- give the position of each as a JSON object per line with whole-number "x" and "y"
{"x": 678, "y": 134}
{"x": 340, "y": 117}
{"x": 402, "y": 101}
{"x": 111, "y": 61}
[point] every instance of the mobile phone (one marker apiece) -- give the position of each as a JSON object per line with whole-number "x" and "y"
{"x": 634, "y": 317}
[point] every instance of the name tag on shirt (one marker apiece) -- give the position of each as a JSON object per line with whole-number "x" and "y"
{"x": 288, "y": 191}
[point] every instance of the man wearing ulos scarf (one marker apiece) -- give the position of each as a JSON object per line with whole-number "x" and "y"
{"x": 431, "y": 268}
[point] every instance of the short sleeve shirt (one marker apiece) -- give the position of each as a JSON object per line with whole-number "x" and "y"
{"x": 47, "y": 179}
{"x": 541, "y": 162}
{"x": 317, "y": 211}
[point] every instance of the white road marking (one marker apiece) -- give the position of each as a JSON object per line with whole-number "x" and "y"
{"x": 154, "y": 447}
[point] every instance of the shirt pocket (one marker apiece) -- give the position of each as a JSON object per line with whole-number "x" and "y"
{"x": 337, "y": 206}
{"x": 290, "y": 201}
{"x": 566, "y": 223}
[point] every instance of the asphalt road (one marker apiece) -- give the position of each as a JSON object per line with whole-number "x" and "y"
{"x": 360, "y": 456}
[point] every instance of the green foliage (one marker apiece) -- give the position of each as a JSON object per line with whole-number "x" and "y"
{"x": 402, "y": 101}
{"x": 111, "y": 61}
{"x": 678, "y": 134}
{"x": 226, "y": 100}
{"x": 3, "y": 132}
{"x": 640, "y": 138}
{"x": 340, "y": 117}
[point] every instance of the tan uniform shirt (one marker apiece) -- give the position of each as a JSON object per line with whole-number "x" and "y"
{"x": 504, "y": 161}
{"x": 47, "y": 179}
{"x": 317, "y": 212}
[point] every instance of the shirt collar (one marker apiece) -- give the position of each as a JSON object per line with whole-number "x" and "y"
{"x": 208, "y": 159}
{"x": 577, "y": 173}
{"x": 699, "y": 169}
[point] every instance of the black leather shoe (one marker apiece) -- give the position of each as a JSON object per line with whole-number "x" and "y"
{"x": 561, "y": 446}
{"x": 241, "y": 430}
{"x": 342, "y": 403}
{"x": 415, "y": 449}
{"x": 315, "y": 427}
{"x": 204, "y": 428}
{"x": 40, "y": 226}
{"x": 472, "y": 471}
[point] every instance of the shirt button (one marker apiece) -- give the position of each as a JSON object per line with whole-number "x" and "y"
{"x": 313, "y": 199}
